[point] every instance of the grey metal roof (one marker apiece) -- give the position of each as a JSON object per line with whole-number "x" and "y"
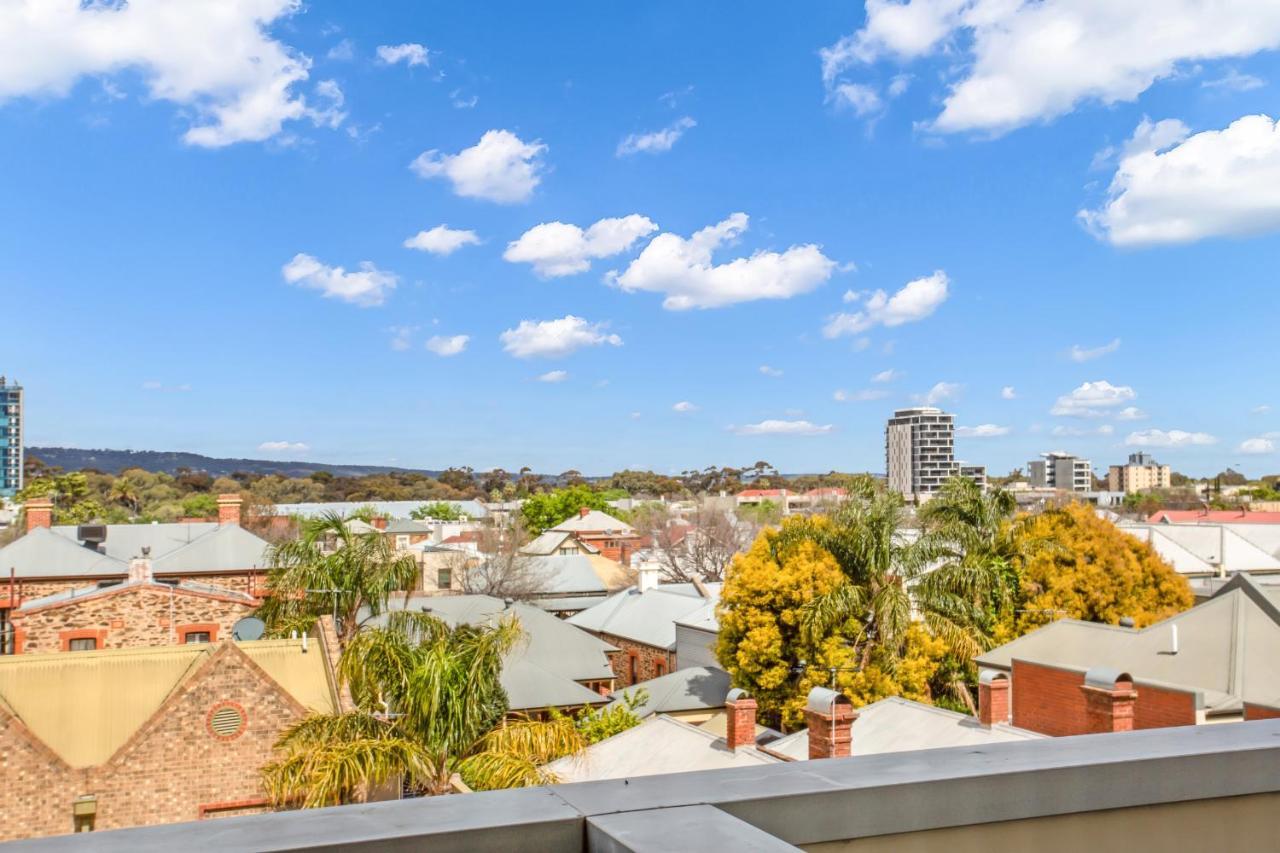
{"x": 900, "y": 725}
{"x": 549, "y": 542}
{"x": 647, "y": 617}
{"x": 406, "y": 525}
{"x": 695, "y": 688}
{"x": 200, "y": 547}
{"x": 543, "y": 669}
{"x": 595, "y": 520}
{"x": 84, "y": 592}
{"x": 387, "y": 509}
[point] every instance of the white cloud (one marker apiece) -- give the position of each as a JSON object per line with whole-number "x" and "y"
{"x": 859, "y": 97}
{"x": 656, "y": 142}
{"x": 402, "y": 337}
{"x": 776, "y": 427}
{"x": 1170, "y": 438}
{"x": 212, "y": 58}
{"x": 555, "y": 338}
{"x": 410, "y": 54}
{"x": 1257, "y": 446}
{"x": 554, "y": 376}
{"x": 864, "y": 396}
{"x": 461, "y": 103}
{"x": 558, "y": 249}
{"x": 365, "y": 287}
{"x": 1093, "y": 400}
{"x": 1082, "y": 354}
{"x": 284, "y": 447}
{"x": 1076, "y": 432}
{"x": 886, "y": 376}
{"x": 1218, "y": 183}
{"x": 343, "y": 51}
{"x": 915, "y": 301}
{"x": 1234, "y": 81}
{"x": 982, "y": 431}
{"x": 155, "y": 385}
{"x": 442, "y": 240}
{"x": 447, "y": 345}
{"x": 1260, "y": 410}
{"x": 683, "y": 269}
{"x": 770, "y": 371}
{"x": 940, "y": 393}
{"x": 500, "y": 167}
{"x": 1023, "y": 62}
{"x": 1008, "y": 393}
{"x": 684, "y": 406}
{"x": 1131, "y": 413}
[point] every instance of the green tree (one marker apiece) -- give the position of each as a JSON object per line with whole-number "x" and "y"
{"x": 438, "y": 510}
{"x": 329, "y": 569}
{"x": 429, "y": 708}
{"x": 200, "y": 505}
{"x": 544, "y": 511}
{"x": 594, "y": 725}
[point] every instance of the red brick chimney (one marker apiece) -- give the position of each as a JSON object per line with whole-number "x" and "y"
{"x": 740, "y": 729}
{"x": 993, "y": 697}
{"x": 379, "y": 523}
{"x": 39, "y": 513}
{"x": 1109, "y": 700}
{"x": 229, "y": 509}
{"x": 829, "y": 716}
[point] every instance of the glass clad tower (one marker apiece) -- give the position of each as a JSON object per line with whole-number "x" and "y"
{"x": 10, "y": 438}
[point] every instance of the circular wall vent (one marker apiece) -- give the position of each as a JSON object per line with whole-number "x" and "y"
{"x": 226, "y": 720}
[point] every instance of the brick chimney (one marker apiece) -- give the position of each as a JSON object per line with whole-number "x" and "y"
{"x": 229, "y": 509}
{"x": 829, "y": 716}
{"x": 993, "y": 697}
{"x": 39, "y": 513}
{"x": 1109, "y": 700}
{"x": 740, "y": 729}
{"x": 379, "y": 523}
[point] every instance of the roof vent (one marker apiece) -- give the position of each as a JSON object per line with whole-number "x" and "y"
{"x": 226, "y": 720}
{"x": 91, "y": 535}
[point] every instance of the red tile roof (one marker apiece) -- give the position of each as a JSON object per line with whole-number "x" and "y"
{"x": 763, "y": 493}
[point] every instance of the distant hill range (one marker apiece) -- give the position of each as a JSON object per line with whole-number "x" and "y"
{"x": 115, "y": 461}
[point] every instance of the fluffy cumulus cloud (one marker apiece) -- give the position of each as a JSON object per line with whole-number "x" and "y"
{"x": 555, "y": 338}
{"x": 916, "y": 300}
{"x": 1131, "y": 413}
{"x": 1082, "y": 354}
{"x": 1258, "y": 446}
{"x": 1008, "y": 393}
{"x": 1077, "y": 432}
{"x": 657, "y": 141}
{"x": 684, "y": 406}
{"x": 554, "y": 376}
{"x": 1093, "y": 400}
{"x": 887, "y": 375}
{"x": 864, "y": 396}
{"x": 982, "y": 431}
{"x": 683, "y": 269}
{"x": 770, "y": 371}
{"x": 1026, "y": 62}
{"x": 410, "y": 54}
{"x": 368, "y": 286}
{"x": 245, "y": 90}
{"x": 778, "y": 427}
{"x": 557, "y": 248}
{"x": 1174, "y": 187}
{"x": 501, "y": 167}
{"x": 447, "y": 345}
{"x": 941, "y": 392}
{"x": 442, "y": 240}
{"x": 1168, "y": 438}
{"x": 283, "y": 447}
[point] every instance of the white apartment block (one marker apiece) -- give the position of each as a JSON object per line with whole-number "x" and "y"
{"x": 919, "y": 448}
{"x": 1059, "y": 470}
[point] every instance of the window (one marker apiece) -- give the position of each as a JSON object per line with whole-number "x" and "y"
{"x": 659, "y": 668}
{"x": 196, "y": 637}
{"x": 82, "y": 644}
{"x": 444, "y": 578}
{"x": 632, "y": 667}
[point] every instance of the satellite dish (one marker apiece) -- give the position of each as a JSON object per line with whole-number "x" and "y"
{"x": 248, "y": 628}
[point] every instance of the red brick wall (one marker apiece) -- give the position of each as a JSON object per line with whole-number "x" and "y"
{"x": 1048, "y": 700}
{"x": 1260, "y": 712}
{"x": 1157, "y": 708}
{"x": 649, "y": 660}
{"x": 130, "y": 617}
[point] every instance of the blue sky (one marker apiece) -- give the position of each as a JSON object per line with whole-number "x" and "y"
{"x": 912, "y": 180}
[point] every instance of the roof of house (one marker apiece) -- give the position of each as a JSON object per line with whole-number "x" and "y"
{"x": 385, "y": 509}
{"x": 197, "y": 547}
{"x": 406, "y": 525}
{"x": 660, "y": 744}
{"x": 594, "y": 521}
{"x": 1204, "y": 548}
{"x": 85, "y": 705}
{"x": 763, "y": 493}
{"x": 545, "y": 668}
{"x": 550, "y": 542}
{"x": 1213, "y": 516}
{"x": 646, "y": 617}
{"x": 695, "y": 688}
{"x": 1225, "y": 648}
{"x": 901, "y": 725}
{"x": 79, "y": 594}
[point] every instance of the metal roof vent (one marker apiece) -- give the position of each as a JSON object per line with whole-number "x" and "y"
{"x": 91, "y": 535}
{"x": 226, "y": 720}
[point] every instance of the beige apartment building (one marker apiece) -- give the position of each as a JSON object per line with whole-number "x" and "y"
{"x": 1142, "y": 472}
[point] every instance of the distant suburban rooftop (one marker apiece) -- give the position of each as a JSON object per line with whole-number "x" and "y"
{"x": 695, "y": 688}
{"x": 1206, "y": 548}
{"x": 1213, "y": 516}
{"x": 647, "y": 617}
{"x": 548, "y": 543}
{"x": 385, "y": 509}
{"x": 594, "y": 521}
{"x": 190, "y": 548}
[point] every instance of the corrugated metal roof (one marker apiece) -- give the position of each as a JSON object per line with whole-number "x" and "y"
{"x": 694, "y": 688}
{"x": 646, "y": 617}
{"x": 594, "y": 521}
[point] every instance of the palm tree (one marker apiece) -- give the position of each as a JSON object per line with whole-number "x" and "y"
{"x": 429, "y": 709}
{"x": 892, "y": 579}
{"x": 125, "y": 492}
{"x": 331, "y": 569}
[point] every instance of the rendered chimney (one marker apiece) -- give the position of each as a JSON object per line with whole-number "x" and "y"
{"x": 140, "y": 568}
{"x": 39, "y": 513}
{"x": 229, "y": 509}
{"x": 648, "y": 575}
{"x": 829, "y": 716}
{"x": 1109, "y": 699}
{"x": 583, "y": 512}
{"x": 740, "y": 728}
{"x": 993, "y": 697}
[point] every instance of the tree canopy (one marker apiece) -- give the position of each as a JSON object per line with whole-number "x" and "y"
{"x": 544, "y": 511}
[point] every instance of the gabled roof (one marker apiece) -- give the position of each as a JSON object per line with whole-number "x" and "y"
{"x": 548, "y": 543}
{"x": 76, "y": 596}
{"x": 646, "y": 617}
{"x": 85, "y": 705}
{"x": 660, "y": 744}
{"x": 1216, "y": 516}
{"x": 1203, "y": 548}
{"x": 406, "y": 525}
{"x": 695, "y": 688}
{"x": 594, "y": 521}
{"x": 901, "y": 725}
